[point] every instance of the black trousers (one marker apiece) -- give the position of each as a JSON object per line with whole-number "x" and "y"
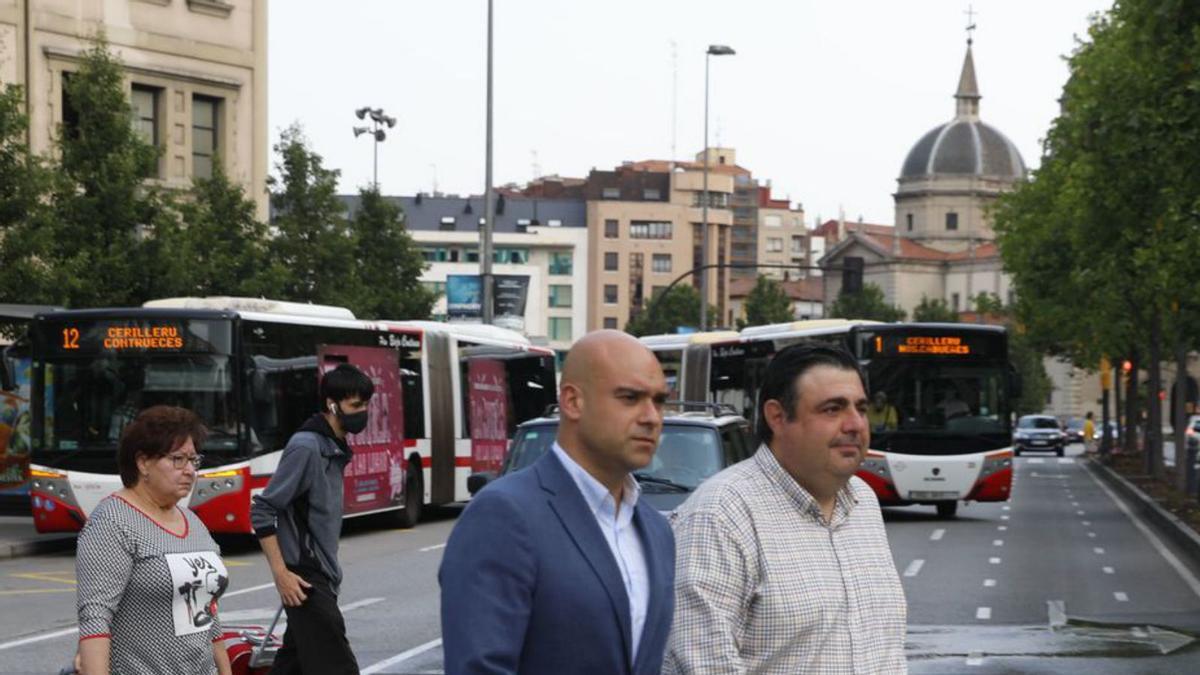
{"x": 315, "y": 640}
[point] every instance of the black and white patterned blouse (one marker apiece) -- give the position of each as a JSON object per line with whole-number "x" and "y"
{"x": 151, "y": 591}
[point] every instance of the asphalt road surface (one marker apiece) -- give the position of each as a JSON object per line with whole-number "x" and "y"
{"x": 1060, "y": 580}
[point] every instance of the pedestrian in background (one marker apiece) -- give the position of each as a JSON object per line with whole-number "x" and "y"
{"x": 783, "y": 564}
{"x": 1089, "y": 432}
{"x": 560, "y": 569}
{"x": 149, "y": 574}
{"x": 298, "y": 519}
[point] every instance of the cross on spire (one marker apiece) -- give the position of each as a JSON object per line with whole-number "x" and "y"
{"x": 970, "y": 23}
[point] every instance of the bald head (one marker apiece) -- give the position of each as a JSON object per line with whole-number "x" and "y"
{"x": 601, "y": 350}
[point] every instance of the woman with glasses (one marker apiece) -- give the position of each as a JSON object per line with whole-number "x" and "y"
{"x": 149, "y": 574}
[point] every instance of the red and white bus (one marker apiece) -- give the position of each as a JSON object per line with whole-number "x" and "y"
{"x": 949, "y": 389}
{"x": 448, "y": 396}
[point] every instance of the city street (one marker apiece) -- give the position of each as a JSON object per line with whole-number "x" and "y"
{"x": 1062, "y": 571}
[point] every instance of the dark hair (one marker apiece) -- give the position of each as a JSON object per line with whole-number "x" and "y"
{"x": 784, "y": 371}
{"x": 154, "y": 433}
{"x": 345, "y": 382}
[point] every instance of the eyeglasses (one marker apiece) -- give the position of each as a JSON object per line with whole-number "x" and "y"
{"x": 180, "y": 461}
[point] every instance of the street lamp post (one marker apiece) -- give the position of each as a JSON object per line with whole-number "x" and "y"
{"x": 485, "y": 249}
{"x": 378, "y": 121}
{"x": 713, "y": 50}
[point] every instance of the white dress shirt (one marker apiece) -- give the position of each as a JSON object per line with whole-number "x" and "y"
{"x": 623, "y": 540}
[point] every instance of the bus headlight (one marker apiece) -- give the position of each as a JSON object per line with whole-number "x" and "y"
{"x": 213, "y": 484}
{"x": 877, "y": 465}
{"x": 49, "y": 483}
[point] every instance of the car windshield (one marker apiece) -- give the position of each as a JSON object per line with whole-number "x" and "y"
{"x": 686, "y": 455}
{"x": 1037, "y": 423}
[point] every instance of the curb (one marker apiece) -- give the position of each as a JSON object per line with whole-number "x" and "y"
{"x": 21, "y": 549}
{"x": 1167, "y": 523}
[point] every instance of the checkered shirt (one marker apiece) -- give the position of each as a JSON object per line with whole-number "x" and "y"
{"x": 764, "y": 585}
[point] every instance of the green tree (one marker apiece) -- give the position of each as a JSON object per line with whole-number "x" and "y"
{"x": 313, "y": 240}
{"x": 868, "y": 304}
{"x": 225, "y": 245}
{"x": 767, "y": 303}
{"x": 679, "y": 307}
{"x": 389, "y": 264}
{"x": 934, "y": 310}
{"x": 24, "y": 185}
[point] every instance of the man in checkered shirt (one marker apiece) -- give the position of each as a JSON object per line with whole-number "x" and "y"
{"x": 782, "y": 563}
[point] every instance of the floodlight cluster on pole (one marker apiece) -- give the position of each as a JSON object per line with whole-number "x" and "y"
{"x": 713, "y": 50}
{"x": 379, "y": 120}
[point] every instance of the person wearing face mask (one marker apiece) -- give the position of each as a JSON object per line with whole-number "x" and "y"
{"x": 298, "y": 519}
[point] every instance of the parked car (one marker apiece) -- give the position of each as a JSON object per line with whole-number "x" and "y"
{"x": 694, "y": 445}
{"x": 1193, "y": 431}
{"x": 1039, "y": 433}
{"x": 1074, "y": 430}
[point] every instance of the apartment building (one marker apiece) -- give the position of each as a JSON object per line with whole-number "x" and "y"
{"x": 196, "y": 73}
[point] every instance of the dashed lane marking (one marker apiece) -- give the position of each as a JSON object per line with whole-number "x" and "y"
{"x": 994, "y": 561}
{"x": 1035, "y": 460}
{"x": 1003, "y": 517}
{"x": 997, "y": 542}
{"x": 1001, "y": 528}
{"x": 937, "y": 534}
{"x": 1081, "y": 513}
{"x": 1109, "y": 570}
{"x": 975, "y": 659}
{"x": 989, "y": 583}
{"x": 1092, "y": 535}
{"x": 983, "y": 613}
{"x": 1087, "y": 523}
{"x": 1066, "y": 460}
{"x": 401, "y": 657}
{"x": 1098, "y": 550}
{"x": 914, "y": 568}
{"x": 431, "y": 548}
{"x": 1121, "y": 597}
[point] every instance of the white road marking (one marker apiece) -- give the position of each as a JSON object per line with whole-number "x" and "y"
{"x": 975, "y": 659}
{"x": 1003, "y": 517}
{"x": 402, "y": 656}
{"x": 1092, "y": 535}
{"x": 1109, "y": 570}
{"x": 74, "y": 630}
{"x": 989, "y": 583}
{"x": 1186, "y": 574}
{"x": 1005, "y": 508}
{"x": 1087, "y": 523}
{"x": 1036, "y": 460}
{"x": 937, "y": 535}
{"x": 983, "y": 613}
{"x": 914, "y": 568}
{"x": 1121, "y": 597}
{"x": 997, "y": 542}
{"x": 1002, "y": 528}
{"x": 1066, "y": 460}
{"x": 431, "y": 548}
{"x": 1098, "y": 550}
{"x": 1081, "y": 513}
{"x": 994, "y": 561}
{"x": 1138, "y": 632}
{"x": 359, "y": 604}
{"x": 1075, "y": 504}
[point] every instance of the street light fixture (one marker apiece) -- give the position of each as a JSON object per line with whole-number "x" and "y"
{"x": 378, "y": 120}
{"x": 713, "y": 50}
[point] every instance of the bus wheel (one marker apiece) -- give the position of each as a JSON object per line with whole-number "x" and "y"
{"x": 947, "y": 509}
{"x": 414, "y": 496}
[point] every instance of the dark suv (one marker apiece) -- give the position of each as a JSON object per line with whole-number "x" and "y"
{"x": 1039, "y": 433}
{"x": 693, "y": 446}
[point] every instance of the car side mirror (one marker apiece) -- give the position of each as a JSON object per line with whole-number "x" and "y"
{"x": 478, "y": 481}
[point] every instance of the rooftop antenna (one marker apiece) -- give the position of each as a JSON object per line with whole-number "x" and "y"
{"x": 537, "y": 168}
{"x": 433, "y": 167}
{"x": 970, "y": 24}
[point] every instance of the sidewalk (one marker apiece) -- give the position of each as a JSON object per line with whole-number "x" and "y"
{"x": 18, "y": 538}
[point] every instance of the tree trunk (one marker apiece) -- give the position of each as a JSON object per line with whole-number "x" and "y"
{"x": 1120, "y": 412}
{"x": 1154, "y": 421}
{"x": 1131, "y": 405}
{"x": 1179, "y": 416}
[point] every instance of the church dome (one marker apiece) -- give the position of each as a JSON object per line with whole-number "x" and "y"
{"x": 964, "y": 146}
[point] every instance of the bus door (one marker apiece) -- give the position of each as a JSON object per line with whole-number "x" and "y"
{"x": 487, "y": 397}
{"x": 375, "y": 476}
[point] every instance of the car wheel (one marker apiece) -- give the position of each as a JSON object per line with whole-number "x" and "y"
{"x": 1017, "y": 452}
{"x": 414, "y": 496}
{"x": 1060, "y": 452}
{"x": 947, "y": 509}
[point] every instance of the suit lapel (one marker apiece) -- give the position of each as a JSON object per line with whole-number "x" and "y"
{"x": 577, "y": 519}
{"x": 658, "y": 585}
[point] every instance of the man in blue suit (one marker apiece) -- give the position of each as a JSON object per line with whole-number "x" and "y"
{"x": 560, "y": 568}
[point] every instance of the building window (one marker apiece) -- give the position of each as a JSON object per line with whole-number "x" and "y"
{"x": 610, "y": 322}
{"x": 954, "y": 300}
{"x": 204, "y": 135}
{"x": 145, "y": 113}
{"x": 446, "y": 224}
{"x": 611, "y": 193}
{"x": 70, "y": 113}
{"x": 772, "y": 221}
{"x": 661, "y": 262}
{"x": 560, "y": 263}
{"x": 651, "y": 194}
{"x": 610, "y": 262}
{"x": 716, "y": 200}
{"x": 560, "y": 295}
{"x": 514, "y": 256}
{"x": 645, "y": 229}
{"x": 908, "y": 221}
{"x": 774, "y": 245}
{"x": 952, "y": 221}
{"x": 797, "y": 244}
{"x": 612, "y": 229}
{"x": 1012, "y": 297}
{"x": 554, "y": 222}
{"x": 610, "y": 294}
{"x": 559, "y": 328}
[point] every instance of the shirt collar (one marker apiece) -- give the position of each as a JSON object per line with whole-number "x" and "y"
{"x": 594, "y": 493}
{"x": 844, "y": 501}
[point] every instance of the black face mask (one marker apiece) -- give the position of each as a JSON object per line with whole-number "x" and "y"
{"x": 352, "y": 423}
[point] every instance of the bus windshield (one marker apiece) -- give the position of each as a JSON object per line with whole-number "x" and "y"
{"x": 89, "y": 402}
{"x": 936, "y": 398}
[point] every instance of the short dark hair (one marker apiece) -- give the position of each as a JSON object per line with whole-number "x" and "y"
{"x": 345, "y": 382}
{"x": 784, "y": 371}
{"x": 154, "y": 433}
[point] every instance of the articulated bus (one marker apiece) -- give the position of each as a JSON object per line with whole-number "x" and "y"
{"x": 945, "y": 432}
{"x": 684, "y": 358}
{"x": 448, "y": 397}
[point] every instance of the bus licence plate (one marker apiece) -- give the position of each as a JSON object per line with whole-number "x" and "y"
{"x": 932, "y": 494}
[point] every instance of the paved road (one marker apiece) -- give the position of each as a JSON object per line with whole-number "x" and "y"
{"x": 983, "y": 590}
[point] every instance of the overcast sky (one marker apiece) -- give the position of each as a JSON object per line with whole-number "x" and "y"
{"x": 824, "y": 97}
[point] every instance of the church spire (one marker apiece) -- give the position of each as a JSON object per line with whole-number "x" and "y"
{"x": 967, "y": 97}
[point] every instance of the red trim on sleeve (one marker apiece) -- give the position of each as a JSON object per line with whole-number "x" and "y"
{"x": 97, "y": 635}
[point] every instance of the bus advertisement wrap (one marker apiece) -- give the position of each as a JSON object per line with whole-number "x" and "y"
{"x": 487, "y": 392}
{"x": 375, "y": 476}
{"x": 15, "y": 426}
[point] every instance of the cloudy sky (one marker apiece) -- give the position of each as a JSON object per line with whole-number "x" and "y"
{"x": 824, "y": 97}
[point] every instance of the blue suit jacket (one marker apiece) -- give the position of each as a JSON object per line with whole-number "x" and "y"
{"x": 529, "y": 584}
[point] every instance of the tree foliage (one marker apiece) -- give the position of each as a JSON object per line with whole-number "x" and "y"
{"x": 680, "y": 307}
{"x": 767, "y": 303}
{"x": 24, "y": 184}
{"x": 389, "y": 263}
{"x": 868, "y": 304}
{"x": 934, "y": 310}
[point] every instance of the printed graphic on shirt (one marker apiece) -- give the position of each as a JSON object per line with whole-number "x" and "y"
{"x": 197, "y": 581}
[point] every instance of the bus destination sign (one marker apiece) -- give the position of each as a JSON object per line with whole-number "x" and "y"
{"x": 69, "y": 338}
{"x": 934, "y": 345}
{"x": 947, "y": 345}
